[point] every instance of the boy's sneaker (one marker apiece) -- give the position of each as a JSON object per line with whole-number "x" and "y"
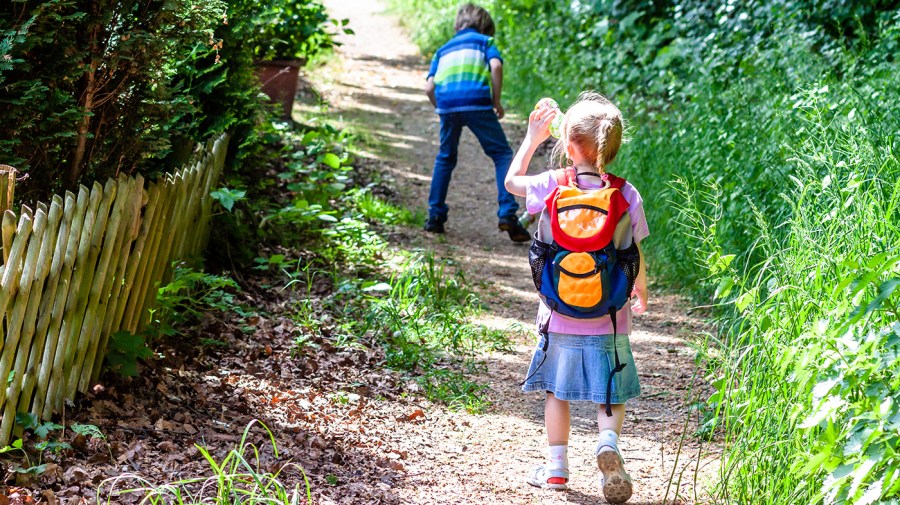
{"x": 615, "y": 482}
{"x": 545, "y": 478}
{"x": 434, "y": 226}
{"x": 517, "y": 232}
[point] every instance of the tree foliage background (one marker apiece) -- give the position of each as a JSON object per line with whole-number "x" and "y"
{"x": 89, "y": 89}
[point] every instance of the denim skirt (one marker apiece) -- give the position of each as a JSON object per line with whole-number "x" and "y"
{"x": 577, "y": 368}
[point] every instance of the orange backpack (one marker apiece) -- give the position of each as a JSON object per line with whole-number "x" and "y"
{"x": 587, "y": 270}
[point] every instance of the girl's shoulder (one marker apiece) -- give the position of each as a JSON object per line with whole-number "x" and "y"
{"x": 537, "y": 188}
{"x": 631, "y": 193}
{"x": 547, "y": 178}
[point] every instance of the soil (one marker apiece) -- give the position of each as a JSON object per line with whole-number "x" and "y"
{"x": 362, "y": 434}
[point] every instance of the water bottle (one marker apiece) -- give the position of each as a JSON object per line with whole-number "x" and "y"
{"x": 556, "y": 124}
{"x": 526, "y": 219}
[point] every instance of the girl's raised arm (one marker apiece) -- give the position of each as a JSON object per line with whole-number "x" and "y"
{"x": 538, "y": 131}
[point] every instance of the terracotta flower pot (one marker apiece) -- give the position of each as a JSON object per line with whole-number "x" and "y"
{"x": 278, "y": 80}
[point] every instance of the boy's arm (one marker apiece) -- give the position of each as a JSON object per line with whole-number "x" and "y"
{"x": 640, "y": 285}
{"x": 429, "y": 90}
{"x": 497, "y": 85}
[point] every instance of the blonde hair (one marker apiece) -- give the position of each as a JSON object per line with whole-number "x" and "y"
{"x": 596, "y": 131}
{"x": 470, "y": 15}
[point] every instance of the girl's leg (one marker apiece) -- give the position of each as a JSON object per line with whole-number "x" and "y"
{"x": 554, "y": 474}
{"x": 616, "y": 483}
{"x": 613, "y": 423}
{"x": 557, "y": 420}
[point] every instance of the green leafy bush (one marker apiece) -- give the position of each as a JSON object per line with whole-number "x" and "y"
{"x": 292, "y": 29}
{"x": 87, "y": 85}
{"x": 93, "y": 89}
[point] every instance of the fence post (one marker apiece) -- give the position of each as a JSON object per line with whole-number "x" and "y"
{"x": 7, "y": 193}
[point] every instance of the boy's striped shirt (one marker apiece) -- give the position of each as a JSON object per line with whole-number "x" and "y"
{"x": 462, "y": 72}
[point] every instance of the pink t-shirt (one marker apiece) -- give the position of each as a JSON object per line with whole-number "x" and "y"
{"x": 538, "y": 188}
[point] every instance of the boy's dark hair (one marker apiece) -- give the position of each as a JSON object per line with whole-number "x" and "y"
{"x": 470, "y": 15}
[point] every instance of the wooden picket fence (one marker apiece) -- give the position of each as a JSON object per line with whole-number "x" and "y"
{"x": 85, "y": 267}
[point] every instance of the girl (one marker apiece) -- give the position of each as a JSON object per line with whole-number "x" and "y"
{"x": 579, "y": 353}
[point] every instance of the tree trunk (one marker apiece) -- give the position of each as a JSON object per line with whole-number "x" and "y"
{"x": 87, "y": 104}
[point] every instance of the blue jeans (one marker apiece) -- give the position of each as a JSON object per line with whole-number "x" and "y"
{"x": 486, "y": 127}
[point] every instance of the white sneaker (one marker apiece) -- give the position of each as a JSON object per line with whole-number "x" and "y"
{"x": 615, "y": 482}
{"x": 545, "y": 478}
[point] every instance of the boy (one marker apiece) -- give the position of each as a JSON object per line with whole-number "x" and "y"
{"x": 464, "y": 85}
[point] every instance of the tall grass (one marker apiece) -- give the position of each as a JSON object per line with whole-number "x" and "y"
{"x": 806, "y": 368}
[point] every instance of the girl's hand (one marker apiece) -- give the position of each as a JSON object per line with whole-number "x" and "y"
{"x": 539, "y": 123}
{"x": 640, "y": 305}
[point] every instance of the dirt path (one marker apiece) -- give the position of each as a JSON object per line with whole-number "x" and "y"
{"x": 374, "y": 86}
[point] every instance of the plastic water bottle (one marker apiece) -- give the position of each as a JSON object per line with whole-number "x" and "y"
{"x": 526, "y": 219}
{"x": 556, "y": 124}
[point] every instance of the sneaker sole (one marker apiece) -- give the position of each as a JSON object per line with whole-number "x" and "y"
{"x": 616, "y": 484}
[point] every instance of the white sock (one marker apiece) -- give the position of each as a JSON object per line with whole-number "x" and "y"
{"x": 610, "y": 438}
{"x": 559, "y": 458}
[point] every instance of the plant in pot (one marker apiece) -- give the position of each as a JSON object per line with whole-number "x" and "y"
{"x": 293, "y": 32}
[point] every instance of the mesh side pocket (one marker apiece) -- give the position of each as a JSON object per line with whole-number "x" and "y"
{"x": 537, "y": 258}
{"x": 629, "y": 261}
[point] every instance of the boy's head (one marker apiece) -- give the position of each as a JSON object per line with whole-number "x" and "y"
{"x": 470, "y": 15}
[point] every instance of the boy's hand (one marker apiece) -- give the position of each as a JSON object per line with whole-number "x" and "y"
{"x": 429, "y": 91}
{"x": 539, "y": 123}
{"x": 640, "y": 305}
{"x": 498, "y": 109}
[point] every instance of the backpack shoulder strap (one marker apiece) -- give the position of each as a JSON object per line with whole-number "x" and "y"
{"x": 614, "y": 181}
{"x": 565, "y": 176}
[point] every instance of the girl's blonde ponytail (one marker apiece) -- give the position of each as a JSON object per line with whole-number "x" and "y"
{"x": 604, "y": 126}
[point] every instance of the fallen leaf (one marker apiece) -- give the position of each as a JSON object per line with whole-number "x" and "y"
{"x": 75, "y": 474}
{"x": 50, "y": 497}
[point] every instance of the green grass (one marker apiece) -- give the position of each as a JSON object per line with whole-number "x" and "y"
{"x": 423, "y": 315}
{"x": 379, "y": 210}
{"x": 237, "y": 478}
{"x": 806, "y": 368}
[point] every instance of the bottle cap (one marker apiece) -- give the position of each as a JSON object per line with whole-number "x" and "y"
{"x": 546, "y": 101}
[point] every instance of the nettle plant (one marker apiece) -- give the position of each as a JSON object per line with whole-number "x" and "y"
{"x": 50, "y": 438}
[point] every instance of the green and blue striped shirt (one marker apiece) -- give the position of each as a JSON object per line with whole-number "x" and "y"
{"x": 462, "y": 72}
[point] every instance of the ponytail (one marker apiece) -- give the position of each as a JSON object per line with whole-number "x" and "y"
{"x": 604, "y": 127}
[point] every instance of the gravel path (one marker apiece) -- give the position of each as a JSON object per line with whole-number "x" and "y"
{"x": 374, "y": 86}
